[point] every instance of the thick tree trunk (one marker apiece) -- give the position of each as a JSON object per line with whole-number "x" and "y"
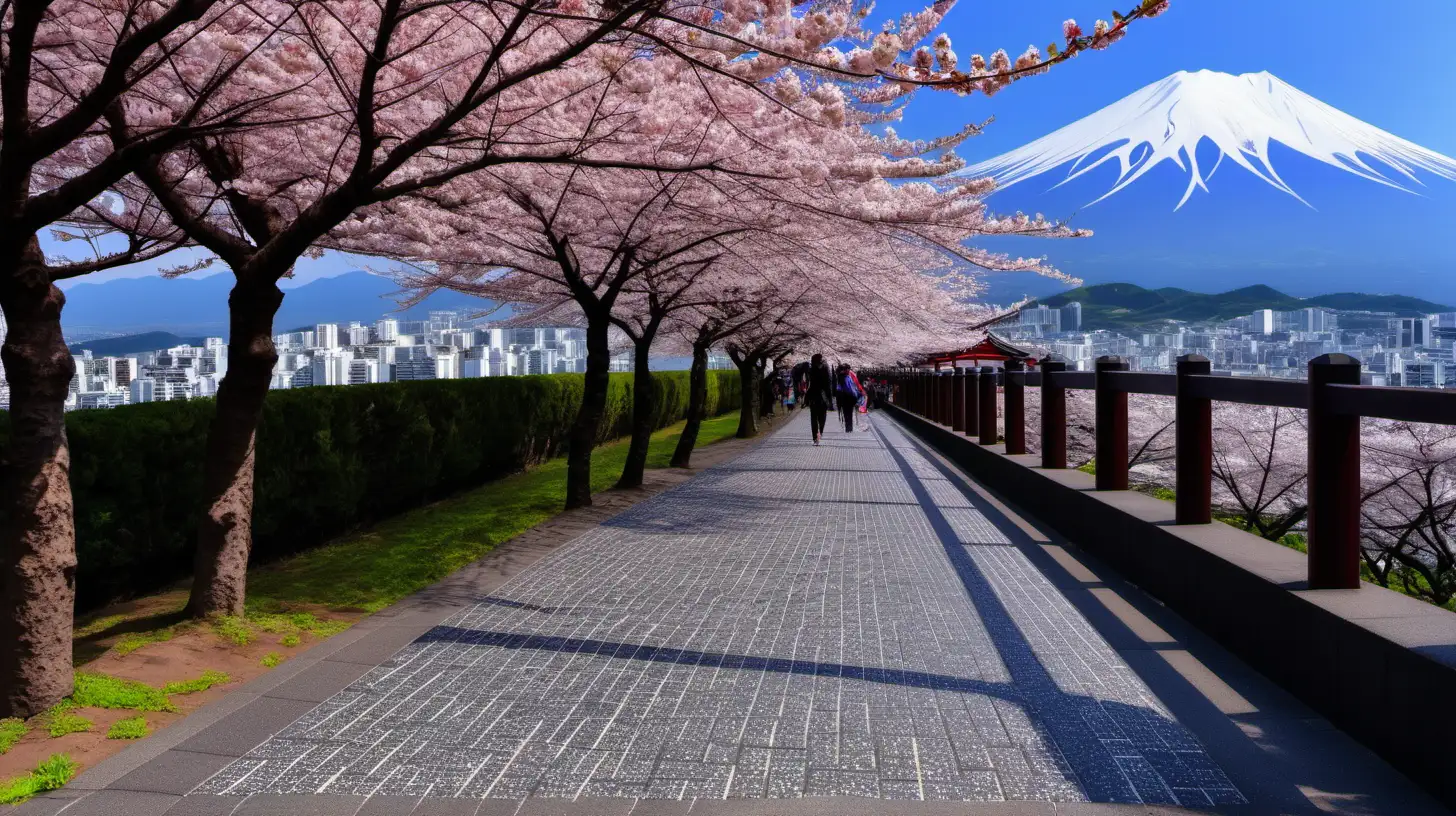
{"x": 644, "y": 410}
{"x": 682, "y": 456}
{"x": 748, "y": 411}
{"x": 37, "y": 524}
{"x": 225, "y": 534}
{"x": 586, "y": 428}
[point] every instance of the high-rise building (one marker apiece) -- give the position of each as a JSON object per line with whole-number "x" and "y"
{"x": 331, "y": 367}
{"x": 358, "y": 334}
{"x": 1072, "y": 317}
{"x": 143, "y": 390}
{"x": 363, "y": 371}
{"x": 326, "y": 336}
{"x": 1410, "y": 332}
{"x": 1262, "y": 321}
{"x": 386, "y": 330}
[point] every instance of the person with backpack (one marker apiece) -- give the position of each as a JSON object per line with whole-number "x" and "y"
{"x": 849, "y": 393}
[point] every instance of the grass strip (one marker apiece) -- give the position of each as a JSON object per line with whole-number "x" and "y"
{"x": 49, "y": 775}
{"x": 129, "y": 729}
{"x": 11, "y": 730}
{"x": 372, "y": 569}
{"x": 103, "y": 691}
{"x": 208, "y": 679}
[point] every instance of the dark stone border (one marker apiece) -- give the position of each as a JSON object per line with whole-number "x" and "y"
{"x": 1380, "y": 665}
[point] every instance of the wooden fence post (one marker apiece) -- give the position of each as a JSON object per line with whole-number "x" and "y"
{"x": 1111, "y": 426}
{"x": 1334, "y": 478}
{"x": 1193, "y": 434}
{"x": 1053, "y": 416}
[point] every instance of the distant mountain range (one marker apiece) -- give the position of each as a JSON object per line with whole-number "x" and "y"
{"x": 133, "y": 343}
{"x": 1127, "y": 305}
{"x": 198, "y": 306}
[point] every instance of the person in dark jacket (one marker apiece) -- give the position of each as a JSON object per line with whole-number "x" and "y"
{"x": 818, "y": 393}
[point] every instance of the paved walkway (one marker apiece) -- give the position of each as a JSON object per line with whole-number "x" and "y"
{"x": 851, "y": 620}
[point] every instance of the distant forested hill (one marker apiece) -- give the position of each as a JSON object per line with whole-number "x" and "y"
{"x": 1127, "y": 305}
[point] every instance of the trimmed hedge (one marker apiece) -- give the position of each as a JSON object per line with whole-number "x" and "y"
{"x": 329, "y": 459}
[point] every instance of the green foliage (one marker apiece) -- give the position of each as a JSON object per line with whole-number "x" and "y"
{"x": 60, "y": 721}
{"x": 11, "y": 730}
{"x": 51, "y": 774}
{"x": 234, "y": 629}
{"x": 290, "y": 641}
{"x": 132, "y": 641}
{"x": 103, "y": 691}
{"x": 373, "y": 568}
{"x": 129, "y": 729}
{"x": 208, "y": 679}
{"x": 271, "y": 660}
{"x": 328, "y": 460}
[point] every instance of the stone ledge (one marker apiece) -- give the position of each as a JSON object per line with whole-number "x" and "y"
{"x": 1379, "y": 665}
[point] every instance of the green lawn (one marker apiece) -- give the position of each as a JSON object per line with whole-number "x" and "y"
{"x": 373, "y": 568}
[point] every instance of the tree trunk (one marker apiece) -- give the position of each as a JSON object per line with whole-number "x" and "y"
{"x": 697, "y": 408}
{"x": 37, "y": 522}
{"x": 225, "y": 534}
{"x": 748, "y": 411}
{"x": 644, "y": 411}
{"x": 586, "y": 428}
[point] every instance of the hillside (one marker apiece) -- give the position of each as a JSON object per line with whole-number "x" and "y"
{"x": 1127, "y": 305}
{"x": 133, "y": 343}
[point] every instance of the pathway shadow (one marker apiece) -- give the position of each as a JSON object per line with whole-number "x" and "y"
{"x": 1113, "y": 751}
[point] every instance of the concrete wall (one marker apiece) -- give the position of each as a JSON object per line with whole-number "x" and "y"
{"x": 1380, "y": 665}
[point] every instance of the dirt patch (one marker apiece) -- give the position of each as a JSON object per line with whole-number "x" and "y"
{"x": 190, "y": 648}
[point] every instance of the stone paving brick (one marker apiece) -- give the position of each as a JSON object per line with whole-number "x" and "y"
{"x": 833, "y": 621}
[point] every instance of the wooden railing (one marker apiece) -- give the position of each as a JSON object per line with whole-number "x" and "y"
{"x": 964, "y": 399}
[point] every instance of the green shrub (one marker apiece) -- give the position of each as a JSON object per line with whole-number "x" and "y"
{"x": 60, "y": 722}
{"x": 208, "y": 679}
{"x": 49, "y": 775}
{"x": 11, "y": 730}
{"x": 271, "y": 660}
{"x": 103, "y": 691}
{"x": 328, "y": 460}
{"x": 129, "y": 729}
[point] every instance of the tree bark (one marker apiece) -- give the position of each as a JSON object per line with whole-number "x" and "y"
{"x": 766, "y": 403}
{"x": 644, "y": 410}
{"x": 584, "y": 431}
{"x": 748, "y": 410}
{"x": 37, "y": 521}
{"x": 697, "y": 408}
{"x": 225, "y": 534}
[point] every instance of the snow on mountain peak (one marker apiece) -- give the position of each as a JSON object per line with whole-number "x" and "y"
{"x": 1240, "y": 115}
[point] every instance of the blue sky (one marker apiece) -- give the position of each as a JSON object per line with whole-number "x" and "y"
{"x": 1382, "y": 65}
{"x": 1376, "y": 63}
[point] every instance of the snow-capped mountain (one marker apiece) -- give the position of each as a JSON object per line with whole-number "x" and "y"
{"x": 1240, "y": 115}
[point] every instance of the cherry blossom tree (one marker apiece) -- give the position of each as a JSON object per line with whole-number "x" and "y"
{"x": 87, "y": 90}
{"x": 407, "y": 96}
{"x": 1408, "y": 511}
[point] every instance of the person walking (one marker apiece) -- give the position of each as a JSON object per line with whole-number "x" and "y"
{"x": 818, "y": 390}
{"x": 848, "y": 392}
